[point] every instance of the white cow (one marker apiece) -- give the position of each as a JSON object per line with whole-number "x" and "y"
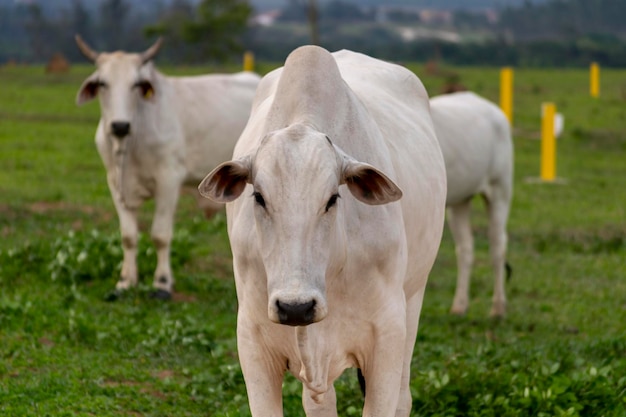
{"x": 157, "y": 134}
{"x": 330, "y": 270}
{"x": 475, "y": 138}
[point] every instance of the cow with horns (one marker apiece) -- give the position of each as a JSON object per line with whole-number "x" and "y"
{"x": 156, "y": 135}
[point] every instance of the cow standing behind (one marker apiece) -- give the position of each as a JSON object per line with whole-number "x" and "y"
{"x": 330, "y": 267}
{"x": 156, "y": 134}
{"x": 475, "y": 138}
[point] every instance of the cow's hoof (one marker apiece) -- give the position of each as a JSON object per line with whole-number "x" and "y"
{"x": 160, "y": 294}
{"x": 114, "y": 295}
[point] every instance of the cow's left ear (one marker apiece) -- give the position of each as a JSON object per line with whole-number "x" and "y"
{"x": 89, "y": 90}
{"x": 226, "y": 182}
{"x": 368, "y": 185}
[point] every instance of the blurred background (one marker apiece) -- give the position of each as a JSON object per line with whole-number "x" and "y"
{"x": 561, "y": 33}
{"x": 65, "y": 351}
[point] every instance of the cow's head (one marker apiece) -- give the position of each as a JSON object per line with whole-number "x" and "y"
{"x": 122, "y": 82}
{"x": 296, "y": 175}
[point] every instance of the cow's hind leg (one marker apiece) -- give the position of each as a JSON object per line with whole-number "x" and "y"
{"x": 498, "y": 209}
{"x": 162, "y": 232}
{"x": 459, "y": 222}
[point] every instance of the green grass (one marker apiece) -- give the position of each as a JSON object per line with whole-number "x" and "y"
{"x": 66, "y": 352}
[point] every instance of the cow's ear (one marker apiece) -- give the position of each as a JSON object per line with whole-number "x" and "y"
{"x": 366, "y": 183}
{"x": 226, "y": 182}
{"x": 89, "y": 90}
{"x": 369, "y": 185}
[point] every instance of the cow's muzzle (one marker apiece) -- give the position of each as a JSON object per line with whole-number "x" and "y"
{"x": 120, "y": 129}
{"x": 296, "y": 314}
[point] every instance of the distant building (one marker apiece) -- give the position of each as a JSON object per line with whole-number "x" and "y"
{"x": 432, "y": 16}
{"x": 266, "y": 18}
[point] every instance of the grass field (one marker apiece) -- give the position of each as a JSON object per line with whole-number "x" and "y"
{"x": 64, "y": 351}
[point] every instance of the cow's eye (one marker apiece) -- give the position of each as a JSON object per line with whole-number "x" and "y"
{"x": 259, "y": 199}
{"x": 332, "y": 201}
{"x": 145, "y": 88}
{"x": 96, "y": 85}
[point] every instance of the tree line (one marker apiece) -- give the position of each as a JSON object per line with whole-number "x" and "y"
{"x": 209, "y": 30}
{"x": 549, "y": 33}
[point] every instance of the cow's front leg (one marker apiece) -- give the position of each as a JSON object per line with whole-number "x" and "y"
{"x": 166, "y": 200}
{"x": 129, "y": 231}
{"x": 384, "y": 369}
{"x": 413, "y": 310}
{"x": 263, "y": 370}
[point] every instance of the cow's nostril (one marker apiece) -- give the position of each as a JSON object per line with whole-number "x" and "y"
{"x": 297, "y": 314}
{"x": 120, "y": 129}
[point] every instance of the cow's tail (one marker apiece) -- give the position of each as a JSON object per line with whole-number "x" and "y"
{"x": 359, "y": 375}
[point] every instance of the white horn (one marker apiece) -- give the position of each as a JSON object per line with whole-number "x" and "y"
{"x": 85, "y": 49}
{"x": 149, "y": 53}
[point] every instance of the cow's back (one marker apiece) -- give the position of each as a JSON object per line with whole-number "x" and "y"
{"x": 215, "y": 112}
{"x": 474, "y": 157}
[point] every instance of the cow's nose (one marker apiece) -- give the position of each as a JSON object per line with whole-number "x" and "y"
{"x": 297, "y": 314}
{"x": 120, "y": 129}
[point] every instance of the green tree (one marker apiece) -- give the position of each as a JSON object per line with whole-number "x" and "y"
{"x": 171, "y": 23}
{"x": 217, "y": 28}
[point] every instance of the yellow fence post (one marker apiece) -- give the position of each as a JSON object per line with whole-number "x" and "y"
{"x": 248, "y": 61}
{"x": 506, "y": 92}
{"x": 594, "y": 79}
{"x": 548, "y": 142}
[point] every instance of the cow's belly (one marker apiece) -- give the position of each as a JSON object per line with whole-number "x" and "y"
{"x": 464, "y": 185}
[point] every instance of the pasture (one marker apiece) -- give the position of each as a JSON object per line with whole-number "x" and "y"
{"x": 64, "y": 351}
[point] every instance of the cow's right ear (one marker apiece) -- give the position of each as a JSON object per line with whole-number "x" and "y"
{"x": 226, "y": 182}
{"x": 89, "y": 90}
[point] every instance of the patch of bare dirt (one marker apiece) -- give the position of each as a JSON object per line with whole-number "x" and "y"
{"x": 44, "y": 341}
{"x": 42, "y": 207}
{"x": 165, "y": 373}
{"x": 179, "y": 297}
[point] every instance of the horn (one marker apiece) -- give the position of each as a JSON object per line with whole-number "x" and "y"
{"x": 85, "y": 49}
{"x": 149, "y": 53}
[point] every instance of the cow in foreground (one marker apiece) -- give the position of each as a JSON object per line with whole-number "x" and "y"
{"x": 156, "y": 134}
{"x": 336, "y": 197}
{"x": 475, "y": 138}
